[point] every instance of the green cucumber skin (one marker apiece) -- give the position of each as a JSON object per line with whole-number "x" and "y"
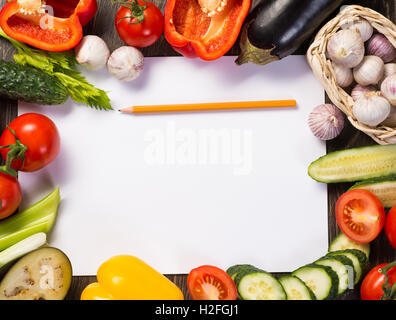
{"x": 233, "y": 271}
{"x": 311, "y": 294}
{"x": 360, "y": 247}
{"x": 332, "y": 274}
{"x": 369, "y": 150}
{"x": 362, "y": 257}
{"x": 29, "y": 84}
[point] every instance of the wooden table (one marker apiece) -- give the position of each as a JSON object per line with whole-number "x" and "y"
{"x": 103, "y": 26}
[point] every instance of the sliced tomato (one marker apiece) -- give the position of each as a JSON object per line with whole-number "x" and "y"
{"x": 211, "y": 283}
{"x": 390, "y": 227}
{"x": 360, "y": 215}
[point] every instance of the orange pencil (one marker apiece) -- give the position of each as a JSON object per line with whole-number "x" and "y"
{"x": 211, "y": 106}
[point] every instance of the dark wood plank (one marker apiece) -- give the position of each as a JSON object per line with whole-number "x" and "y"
{"x": 103, "y": 25}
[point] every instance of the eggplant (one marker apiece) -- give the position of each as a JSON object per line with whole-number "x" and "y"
{"x": 277, "y": 28}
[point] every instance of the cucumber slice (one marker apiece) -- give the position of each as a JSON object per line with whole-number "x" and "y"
{"x": 342, "y": 242}
{"x": 342, "y": 266}
{"x": 358, "y": 258}
{"x": 259, "y": 285}
{"x": 355, "y": 164}
{"x": 322, "y": 280}
{"x": 234, "y": 270}
{"x": 296, "y": 289}
{"x": 383, "y": 188}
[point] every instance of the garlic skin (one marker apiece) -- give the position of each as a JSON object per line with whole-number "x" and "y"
{"x": 380, "y": 46}
{"x": 346, "y": 48}
{"x": 326, "y": 121}
{"x": 388, "y": 89}
{"x": 344, "y": 76}
{"x": 126, "y": 63}
{"x": 371, "y": 109}
{"x": 92, "y": 53}
{"x": 359, "y": 91}
{"x": 390, "y": 68}
{"x": 363, "y": 26}
{"x": 369, "y": 71}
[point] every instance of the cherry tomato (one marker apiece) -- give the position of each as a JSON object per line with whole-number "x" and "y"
{"x": 360, "y": 215}
{"x": 211, "y": 283}
{"x": 10, "y": 195}
{"x": 371, "y": 288}
{"x": 139, "y": 26}
{"x": 390, "y": 226}
{"x": 40, "y": 137}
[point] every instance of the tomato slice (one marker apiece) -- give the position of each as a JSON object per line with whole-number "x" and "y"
{"x": 360, "y": 215}
{"x": 211, "y": 283}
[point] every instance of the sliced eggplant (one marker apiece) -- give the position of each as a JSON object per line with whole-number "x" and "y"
{"x": 277, "y": 28}
{"x": 44, "y": 274}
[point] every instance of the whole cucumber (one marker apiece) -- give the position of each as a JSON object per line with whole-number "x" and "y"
{"x": 29, "y": 84}
{"x": 277, "y": 28}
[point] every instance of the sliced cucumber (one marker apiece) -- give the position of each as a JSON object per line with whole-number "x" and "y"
{"x": 358, "y": 258}
{"x": 355, "y": 164}
{"x": 383, "y": 188}
{"x": 342, "y": 266}
{"x": 342, "y": 242}
{"x": 259, "y": 285}
{"x": 234, "y": 270}
{"x": 296, "y": 289}
{"x": 322, "y": 280}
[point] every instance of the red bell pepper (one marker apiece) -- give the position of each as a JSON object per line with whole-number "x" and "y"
{"x": 207, "y": 28}
{"x": 26, "y": 21}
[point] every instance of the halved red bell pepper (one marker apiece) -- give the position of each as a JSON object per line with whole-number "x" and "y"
{"x": 26, "y": 21}
{"x": 205, "y": 28}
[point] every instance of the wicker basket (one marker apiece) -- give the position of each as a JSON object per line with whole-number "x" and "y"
{"x": 323, "y": 70}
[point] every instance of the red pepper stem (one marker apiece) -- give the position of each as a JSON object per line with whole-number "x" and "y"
{"x": 389, "y": 291}
{"x": 137, "y": 11}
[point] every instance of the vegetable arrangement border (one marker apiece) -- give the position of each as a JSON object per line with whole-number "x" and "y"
{"x": 325, "y": 74}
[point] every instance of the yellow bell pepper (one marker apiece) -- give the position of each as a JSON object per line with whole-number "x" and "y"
{"x": 129, "y": 278}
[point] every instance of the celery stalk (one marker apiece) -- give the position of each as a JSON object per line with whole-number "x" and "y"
{"x": 21, "y": 248}
{"x": 38, "y": 218}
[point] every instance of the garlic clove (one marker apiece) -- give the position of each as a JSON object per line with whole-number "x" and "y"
{"x": 359, "y": 91}
{"x": 344, "y": 76}
{"x": 346, "y": 48}
{"x": 362, "y": 26}
{"x": 92, "y": 52}
{"x": 326, "y": 121}
{"x": 126, "y": 63}
{"x": 369, "y": 71}
{"x": 380, "y": 46}
{"x": 388, "y": 89}
{"x": 390, "y": 69}
{"x": 371, "y": 109}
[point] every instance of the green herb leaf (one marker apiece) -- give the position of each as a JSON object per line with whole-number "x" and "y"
{"x": 62, "y": 65}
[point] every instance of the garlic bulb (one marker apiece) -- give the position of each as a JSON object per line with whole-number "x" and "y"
{"x": 92, "y": 53}
{"x": 326, "y": 121}
{"x": 363, "y": 26}
{"x": 371, "y": 109}
{"x": 343, "y": 75}
{"x": 388, "y": 89}
{"x": 126, "y": 63}
{"x": 390, "y": 68}
{"x": 369, "y": 71}
{"x": 380, "y": 46}
{"x": 359, "y": 91}
{"x": 346, "y": 48}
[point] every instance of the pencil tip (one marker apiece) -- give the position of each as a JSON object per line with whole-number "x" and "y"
{"x": 126, "y": 110}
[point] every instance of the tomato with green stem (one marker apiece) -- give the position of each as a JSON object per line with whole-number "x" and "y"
{"x": 139, "y": 23}
{"x": 380, "y": 283}
{"x": 30, "y": 142}
{"x": 211, "y": 283}
{"x": 360, "y": 215}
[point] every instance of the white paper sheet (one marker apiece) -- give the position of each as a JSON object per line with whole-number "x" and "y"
{"x": 182, "y": 190}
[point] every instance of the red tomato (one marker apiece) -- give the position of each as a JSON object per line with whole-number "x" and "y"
{"x": 371, "y": 288}
{"x": 211, "y": 283}
{"x": 10, "y": 195}
{"x": 40, "y": 136}
{"x": 390, "y": 226}
{"x": 143, "y": 33}
{"x": 360, "y": 215}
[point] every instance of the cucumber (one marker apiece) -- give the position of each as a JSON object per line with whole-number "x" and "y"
{"x": 234, "y": 270}
{"x": 30, "y": 84}
{"x": 342, "y": 242}
{"x": 383, "y": 188}
{"x": 355, "y": 164}
{"x": 259, "y": 285}
{"x": 343, "y": 266}
{"x": 296, "y": 289}
{"x": 322, "y": 280}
